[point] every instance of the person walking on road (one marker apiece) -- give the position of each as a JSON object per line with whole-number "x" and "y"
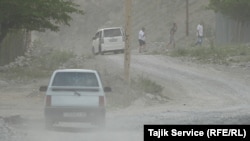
{"x": 172, "y": 33}
{"x": 142, "y": 40}
{"x": 199, "y": 34}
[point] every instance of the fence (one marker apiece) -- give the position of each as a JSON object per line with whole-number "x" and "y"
{"x": 229, "y": 31}
{"x": 13, "y": 45}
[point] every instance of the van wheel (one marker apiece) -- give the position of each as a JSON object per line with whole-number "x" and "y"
{"x": 100, "y": 50}
{"x": 49, "y": 124}
{"x": 93, "y": 51}
{"x": 101, "y": 123}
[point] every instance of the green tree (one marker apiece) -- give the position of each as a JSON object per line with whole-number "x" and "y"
{"x": 38, "y": 15}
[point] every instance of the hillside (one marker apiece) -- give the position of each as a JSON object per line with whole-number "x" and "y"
{"x": 156, "y": 16}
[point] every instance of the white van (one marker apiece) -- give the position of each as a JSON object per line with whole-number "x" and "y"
{"x": 75, "y": 95}
{"x": 110, "y": 39}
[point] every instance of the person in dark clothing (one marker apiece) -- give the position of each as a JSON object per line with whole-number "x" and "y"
{"x": 171, "y": 36}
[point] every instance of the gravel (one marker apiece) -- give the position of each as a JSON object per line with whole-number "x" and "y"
{"x": 9, "y": 133}
{"x": 5, "y": 131}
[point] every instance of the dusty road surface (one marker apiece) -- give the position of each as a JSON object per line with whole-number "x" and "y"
{"x": 195, "y": 93}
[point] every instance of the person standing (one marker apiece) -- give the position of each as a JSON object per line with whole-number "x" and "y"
{"x": 142, "y": 40}
{"x": 172, "y": 33}
{"x": 199, "y": 33}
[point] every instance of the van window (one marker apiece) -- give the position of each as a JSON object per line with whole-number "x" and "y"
{"x": 79, "y": 79}
{"x": 97, "y": 35}
{"x": 112, "y": 32}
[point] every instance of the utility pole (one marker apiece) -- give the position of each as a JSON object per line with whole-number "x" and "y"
{"x": 127, "y": 55}
{"x": 187, "y": 18}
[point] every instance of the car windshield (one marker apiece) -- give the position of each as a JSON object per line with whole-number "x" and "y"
{"x": 81, "y": 79}
{"x": 112, "y": 32}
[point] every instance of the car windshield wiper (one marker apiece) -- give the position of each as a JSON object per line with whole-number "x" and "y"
{"x": 86, "y": 89}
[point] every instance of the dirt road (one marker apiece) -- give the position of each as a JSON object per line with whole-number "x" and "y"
{"x": 206, "y": 94}
{"x": 196, "y": 94}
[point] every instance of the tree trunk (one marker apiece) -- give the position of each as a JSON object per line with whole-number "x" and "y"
{"x": 239, "y": 32}
{"x": 3, "y": 33}
{"x": 27, "y": 39}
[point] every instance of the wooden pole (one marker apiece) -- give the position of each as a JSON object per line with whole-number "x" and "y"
{"x": 187, "y": 18}
{"x": 127, "y": 55}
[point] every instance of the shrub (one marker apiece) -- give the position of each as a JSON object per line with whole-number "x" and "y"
{"x": 217, "y": 54}
{"x": 149, "y": 86}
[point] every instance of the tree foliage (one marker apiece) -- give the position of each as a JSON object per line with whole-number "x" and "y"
{"x": 36, "y": 15}
{"x": 236, "y": 9}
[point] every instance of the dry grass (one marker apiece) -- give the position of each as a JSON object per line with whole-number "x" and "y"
{"x": 217, "y": 55}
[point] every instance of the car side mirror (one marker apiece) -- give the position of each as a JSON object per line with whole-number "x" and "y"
{"x": 107, "y": 89}
{"x": 43, "y": 88}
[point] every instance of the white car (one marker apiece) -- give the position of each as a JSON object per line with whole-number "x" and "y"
{"x": 75, "y": 95}
{"x": 110, "y": 39}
